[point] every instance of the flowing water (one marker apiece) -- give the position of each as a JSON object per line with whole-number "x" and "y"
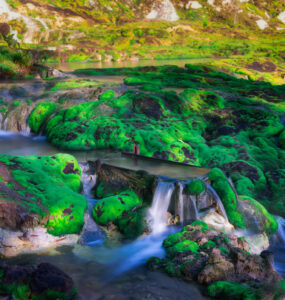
{"x": 159, "y": 207}
{"x": 278, "y": 246}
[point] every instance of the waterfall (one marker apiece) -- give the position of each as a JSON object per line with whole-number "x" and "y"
{"x": 181, "y": 202}
{"x": 280, "y": 234}
{"x": 192, "y": 200}
{"x": 218, "y": 201}
{"x": 88, "y": 180}
{"x": 92, "y": 234}
{"x": 159, "y": 207}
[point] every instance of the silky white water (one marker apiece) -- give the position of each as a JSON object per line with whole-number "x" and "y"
{"x": 159, "y": 207}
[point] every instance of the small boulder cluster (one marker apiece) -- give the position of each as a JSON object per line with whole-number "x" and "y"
{"x": 219, "y": 261}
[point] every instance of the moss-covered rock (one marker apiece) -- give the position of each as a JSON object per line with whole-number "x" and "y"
{"x": 40, "y": 114}
{"x": 45, "y": 186}
{"x": 111, "y": 209}
{"x": 212, "y": 258}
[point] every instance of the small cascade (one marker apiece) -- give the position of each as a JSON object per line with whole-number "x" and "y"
{"x": 92, "y": 234}
{"x": 159, "y": 207}
{"x": 181, "y": 202}
{"x": 279, "y": 238}
{"x": 192, "y": 213}
{"x": 218, "y": 201}
{"x": 26, "y": 131}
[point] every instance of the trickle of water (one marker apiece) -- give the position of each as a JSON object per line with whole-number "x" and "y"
{"x": 181, "y": 202}
{"x": 218, "y": 201}
{"x": 194, "y": 209}
{"x": 159, "y": 207}
{"x": 279, "y": 237}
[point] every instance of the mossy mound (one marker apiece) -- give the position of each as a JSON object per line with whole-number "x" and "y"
{"x": 196, "y": 187}
{"x": 228, "y": 197}
{"x": 40, "y": 114}
{"x": 47, "y": 186}
{"x": 200, "y": 254}
{"x": 112, "y": 209}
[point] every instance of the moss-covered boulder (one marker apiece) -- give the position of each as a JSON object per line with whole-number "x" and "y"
{"x": 200, "y": 254}
{"x": 111, "y": 209}
{"x": 40, "y": 115}
{"x": 41, "y": 190}
{"x": 228, "y": 197}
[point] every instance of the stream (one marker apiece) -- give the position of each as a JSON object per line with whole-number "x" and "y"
{"x": 109, "y": 271}
{"x": 112, "y": 270}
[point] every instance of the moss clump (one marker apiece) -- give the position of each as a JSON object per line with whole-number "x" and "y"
{"x": 111, "y": 209}
{"x": 108, "y": 95}
{"x": 232, "y": 290}
{"x": 16, "y": 103}
{"x": 197, "y": 100}
{"x": 200, "y": 224}
{"x": 196, "y": 187}
{"x": 40, "y": 114}
{"x": 47, "y": 186}
{"x": 228, "y": 197}
{"x": 183, "y": 246}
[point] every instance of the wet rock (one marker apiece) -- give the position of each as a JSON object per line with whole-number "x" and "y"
{"x": 40, "y": 281}
{"x": 13, "y": 243}
{"x": 217, "y": 222}
{"x": 18, "y": 92}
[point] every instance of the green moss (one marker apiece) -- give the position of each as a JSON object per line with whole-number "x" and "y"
{"x": 196, "y": 187}
{"x": 112, "y": 208}
{"x": 232, "y": 290}
{"x": 40, "y": 114}
{"x": 16, "y": 103}
{"x": 227, "y": 195}
{"x": 197, "y": 100}
{"x": 282, "y": 139}
{"x": 200, "y": 224}
{"x": 108, "y": 95}
{"x": 53, "y": 184}
{"x": 209, "y": 245}
{"x": 183, "y": 246}
{"x": 173, "y": 239}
